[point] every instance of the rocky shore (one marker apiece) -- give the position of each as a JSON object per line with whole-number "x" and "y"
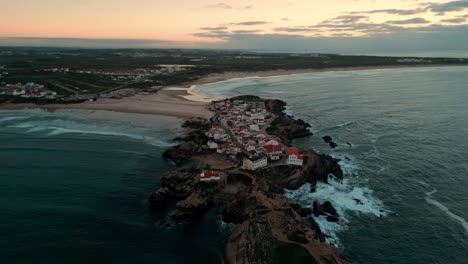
{"x": 268, "y": 229}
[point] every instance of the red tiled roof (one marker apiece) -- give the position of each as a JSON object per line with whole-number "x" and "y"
{"x": 293, "y": 151}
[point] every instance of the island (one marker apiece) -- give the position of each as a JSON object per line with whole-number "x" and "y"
{"x": 240, "y": 161}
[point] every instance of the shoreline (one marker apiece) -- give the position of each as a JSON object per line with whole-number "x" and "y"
{"x": 182, "y": 101}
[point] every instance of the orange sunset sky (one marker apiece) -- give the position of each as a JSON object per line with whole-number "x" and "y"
{"x": 195, "y": 23}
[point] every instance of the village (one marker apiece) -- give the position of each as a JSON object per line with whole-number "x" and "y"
{"x": 238, "y": 132}
{"x": 28, "y": 90}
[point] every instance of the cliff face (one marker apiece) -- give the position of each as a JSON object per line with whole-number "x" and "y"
{"x": 276, "y": 233}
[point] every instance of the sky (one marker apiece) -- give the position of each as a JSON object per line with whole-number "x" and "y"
{"x": 331, "y": 26}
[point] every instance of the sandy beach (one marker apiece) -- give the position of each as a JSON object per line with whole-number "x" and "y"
{"x": 181, "y": 101}
{"x": 165, "y": 102}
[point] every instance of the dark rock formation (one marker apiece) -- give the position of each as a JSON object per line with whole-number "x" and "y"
{"x": 182, "y": 152}
{"x": 159, "y": 198}
{"x": 330, "y": 142}
{"x": 302, "y": 211}
{"x": 195, "y": 204}
{"x": 327, "y": 139}
{"x": 284, "y": 126}
{"x": 325, "y": 209}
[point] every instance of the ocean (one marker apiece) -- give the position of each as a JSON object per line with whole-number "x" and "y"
{"x": 402, "y": 138}
{"x": 74, "y": 184}
{"x": 75, "y": 190}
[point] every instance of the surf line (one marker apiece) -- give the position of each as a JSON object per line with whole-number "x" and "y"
{"x": 446, "y": 210}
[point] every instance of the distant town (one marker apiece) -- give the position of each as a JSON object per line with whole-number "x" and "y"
{"x": 87, "y": 74}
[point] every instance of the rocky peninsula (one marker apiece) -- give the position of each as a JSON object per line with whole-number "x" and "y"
{"x": 242, "y": 163}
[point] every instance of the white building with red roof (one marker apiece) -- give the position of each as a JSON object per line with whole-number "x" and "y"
{"x": 295, "y": 158}
{"x": 210, "y": 176}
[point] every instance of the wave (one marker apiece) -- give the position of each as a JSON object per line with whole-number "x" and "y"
{"x": 57, "y": 127}
{"x": 445, "y": 209}
{"x": 13, "y": 118}
{"x": 346, "y": 199}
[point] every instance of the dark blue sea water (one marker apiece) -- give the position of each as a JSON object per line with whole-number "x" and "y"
{"x": 74, "y": 190}
{"x": 407, "y": 157}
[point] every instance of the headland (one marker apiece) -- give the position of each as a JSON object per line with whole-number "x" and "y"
{"x": 243, "y": 163}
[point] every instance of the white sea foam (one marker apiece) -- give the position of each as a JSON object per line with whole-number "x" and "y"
{"x": 13, "y": 118}
{"x": 58, "y": 127}
{"x": 346, "y": 199}
{"x": 445, "y": 209}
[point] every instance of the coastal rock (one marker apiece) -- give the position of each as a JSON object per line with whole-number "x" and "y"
{"x": 325, "y": 209}
{"x": 302, "y": 211}
{"x": 268, "y": 233}
{"x": 285, "y": 126}
{"x": 159, "y": 198}
{"x": 330, "y": 142}
{"x": 179, "y": 183}
{"x": 195, "y": 204}
{"x": 318, "y": 167}
{"x": 235, "y": 212}
{"x": 181, "y": 153}
{"x": 327, "y": 139}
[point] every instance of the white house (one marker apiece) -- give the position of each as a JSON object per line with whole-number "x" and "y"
{"x": 212, "y": 144}
{"x": 254, "y": 163}
{"x": 294, "y": 158}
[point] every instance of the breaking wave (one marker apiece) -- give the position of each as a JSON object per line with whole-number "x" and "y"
{"x": 445, "y": 209}
{"x": 57, "y": 127}
{"x": 13, "y": 118}
{"x": 347, "y": 199}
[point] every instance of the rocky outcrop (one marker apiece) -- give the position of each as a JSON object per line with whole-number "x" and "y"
{"x": 284, "y": 126}
{"x": 319, "y": 167}
{"x": 329, "y": 141}
{"x": 182, "y": 152}
{"x": 159, "y": 198}
{"x": 195, "y": 204}
{"x": 325, "y": 209}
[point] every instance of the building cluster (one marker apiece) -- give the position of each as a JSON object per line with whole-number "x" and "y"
{"x": 59, "y": 70}
{"x": 241, "y": 130}
{"x": 2, "y": 72}
{"x": 136, "y": 74}
{"x": 28, "y": 90}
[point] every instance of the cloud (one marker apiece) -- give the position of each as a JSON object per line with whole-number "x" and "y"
{"x": 345, "y": 19}
{"x": 442, "y": 8}
{"x": 436, "y": 38}
{"x": 392, "y": 11}
{"x": 416, "y": 20}
{"x": 251, "y": 23}
{"x": 246, "y": 31}
{"x": 219, "y": 6}
{"x": 222, "y": 5}
{"x": 295, "y": 29}
{"x": 214, "y": 28}
{"x": 454, "y": 20}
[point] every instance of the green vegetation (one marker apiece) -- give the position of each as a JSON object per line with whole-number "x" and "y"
{"x": 27, "y": 65}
